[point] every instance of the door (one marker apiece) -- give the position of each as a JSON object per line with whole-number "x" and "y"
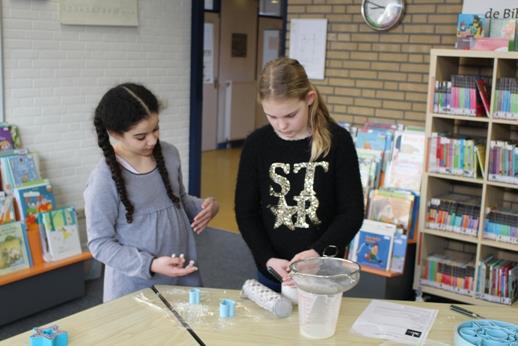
{"x": 268, "y": 48}
{"x": 210, "y": 81}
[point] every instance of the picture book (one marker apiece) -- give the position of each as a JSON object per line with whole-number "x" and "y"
{"x": 397, "y": 262}
{"x": 504, "y": 29}
{"x": 374, "y": 247}
{"x": 6, "y": 139}
{"x": 472, "y": 25}
{"x": 391, "y": 206}
{"x": 33, "y": 199}
{"x": 6, "y": 208}
{"x": 23, "y": 169}
{"x": 484, "y": 95}
{"x": 374, "y": 250}
{"x": 59, "y": 233}
{"x": 14, "y": 252}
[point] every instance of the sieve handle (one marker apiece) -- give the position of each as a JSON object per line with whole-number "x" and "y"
{"x": 330, "y": 251}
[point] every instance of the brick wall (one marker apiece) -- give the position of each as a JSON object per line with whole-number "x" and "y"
{"x": 379, "y": 76}
{"x": 55, "y": 75}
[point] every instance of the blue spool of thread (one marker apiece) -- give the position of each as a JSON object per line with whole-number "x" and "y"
{"x": 194, "y": 296}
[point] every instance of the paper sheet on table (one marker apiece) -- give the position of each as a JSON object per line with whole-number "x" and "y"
{"x": 397, "y": 322}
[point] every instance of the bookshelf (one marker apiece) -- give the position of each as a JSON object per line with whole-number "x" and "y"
{"x": 444, "y": 63}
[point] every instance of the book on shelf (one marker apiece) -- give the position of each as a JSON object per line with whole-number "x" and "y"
{"x": 456, "y": 156}
{"x": 397, "y": 262}
{"x": 7, "y": 214}
{"x": 391, "y": 206}
{"x": 18, "y": 170}
{"x": 469, "y": 28}
{"x": 501, "y": 225}
{"x": 373, "y": 246}
{"x": 453, "y": 212}
{"x": 503, "y": 162}
{"x": 449, "y": 270}
{"x": 506, "y": 98}
{"x": 405, "y": 167}
{"x": 34, "y": 199}
{"x": 59, "y": 234}
{"x": 14, "y": 250}
{"x": 485, "y": 96}
{"x": 497, "y": 280}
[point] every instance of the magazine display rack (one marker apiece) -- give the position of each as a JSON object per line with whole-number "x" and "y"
{"x": 467, "y": 245}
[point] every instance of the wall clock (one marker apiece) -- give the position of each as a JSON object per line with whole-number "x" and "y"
{"x": 382, "y": 15}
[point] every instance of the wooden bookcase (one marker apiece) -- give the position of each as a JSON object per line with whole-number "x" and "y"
{"x": 443, "y": 64}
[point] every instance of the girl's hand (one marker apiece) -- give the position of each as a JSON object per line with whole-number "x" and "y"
{"x": 172, "y": 266}
{"x": 280, "y": 266}
{"x": 209, "y": 209}
{"x": 304, "y": 254}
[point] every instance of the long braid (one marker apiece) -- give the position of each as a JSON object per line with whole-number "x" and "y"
{"x": 159, "y": 158}
{"x": 103, "y": 141}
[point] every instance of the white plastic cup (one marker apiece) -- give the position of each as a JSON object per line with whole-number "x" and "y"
{"x": 318, "y": 314}
{"x": 290, "y": 293}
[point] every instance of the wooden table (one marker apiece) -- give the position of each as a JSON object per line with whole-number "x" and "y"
{"x": 130, "y": 321}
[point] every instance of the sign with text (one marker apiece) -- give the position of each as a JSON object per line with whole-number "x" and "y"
{"x": 99, "y": 12}
{"x": 494, "y": 9}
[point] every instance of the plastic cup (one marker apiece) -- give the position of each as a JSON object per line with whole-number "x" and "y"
{"x": 321, "y": 282}
{"x": 318, "y": 314}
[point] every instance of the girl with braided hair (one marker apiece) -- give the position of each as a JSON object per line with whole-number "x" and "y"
{"x": 138, "y": 214}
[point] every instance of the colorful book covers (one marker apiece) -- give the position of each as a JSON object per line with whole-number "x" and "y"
{"x": 373, "y": 245}
{"x": 14, "y": 251}
{"x": 34, "y": 199}
{"x": 59, "y": 233}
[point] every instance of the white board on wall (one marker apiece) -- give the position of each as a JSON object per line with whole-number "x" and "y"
{"x": 99, "y": 12}
{"x": 308, "y": 45}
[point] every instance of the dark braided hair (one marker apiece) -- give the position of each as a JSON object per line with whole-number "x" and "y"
{"x": 121, "y": 108}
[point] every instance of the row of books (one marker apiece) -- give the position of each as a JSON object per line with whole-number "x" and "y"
{"x": 503, "y": 162}
{"x": 464, "y": 95}
{"x": 29, "y": 210}
{"x": 501, "y": 225}
{"x": 379, "y": 245}
{"x": 475, "y": 31}
{"x": 456, "y": 156}
{"x": 450, "y": 270}
{"x": 497, "y": 280}
{"x": 456, "y": 213}
{"x": 506, "y": 99}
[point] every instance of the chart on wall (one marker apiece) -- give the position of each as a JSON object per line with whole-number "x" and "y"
{"x": 308, "y": 45}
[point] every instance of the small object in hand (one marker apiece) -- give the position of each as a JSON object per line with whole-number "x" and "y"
{"x": 49, "y": 336}
{"x": 194, "y": 296}
{"x": 191, "y": 263}
{"x": 227, "y": 308}
{"x": 274, "y": 274}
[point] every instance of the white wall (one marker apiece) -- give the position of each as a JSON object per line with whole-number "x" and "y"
{"x": 55, "y": 75}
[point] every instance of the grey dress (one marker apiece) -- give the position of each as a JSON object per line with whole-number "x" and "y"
{"x": 158, "y": 227}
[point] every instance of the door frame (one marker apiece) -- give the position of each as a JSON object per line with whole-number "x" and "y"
{"x": 196, "y": 87}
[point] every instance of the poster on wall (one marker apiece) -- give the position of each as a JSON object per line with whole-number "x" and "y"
{"x": 308, "y": 45}
{"x": 494, "y": 9}
{"x": 99, "y": 12}
{"x": 270, "y": 45}
{"x": 208, "y": 53}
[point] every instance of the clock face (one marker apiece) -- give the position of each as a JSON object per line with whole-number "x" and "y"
{"x": 382, "y": 14}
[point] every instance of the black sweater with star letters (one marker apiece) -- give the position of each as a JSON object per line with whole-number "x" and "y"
{"x": 286, "y": 204}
